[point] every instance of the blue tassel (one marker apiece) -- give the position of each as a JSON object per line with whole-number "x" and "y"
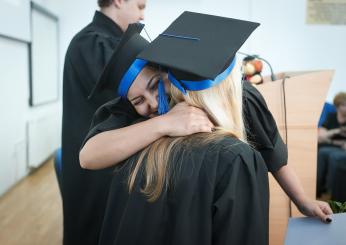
{"x": 163, "y": 101}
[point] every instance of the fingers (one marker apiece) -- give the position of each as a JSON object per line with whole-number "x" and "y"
{"x": 191, "y": 114}
{"x": 201, "y": 120}
{"x": 323, "y": 217}
{"x": 184, "y": 119}
{"x": 325, "y": 208}
{"x": 318, "y": 209}
{"x": 201, "y": 129}
{"x": 196, "y": 125}
{"x": 322, "y": 212}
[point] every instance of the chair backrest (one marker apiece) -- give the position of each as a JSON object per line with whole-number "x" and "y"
{"x": 58, "y": 166}
{"x": 327, "y": 108}
{"x": 57, "y": 160}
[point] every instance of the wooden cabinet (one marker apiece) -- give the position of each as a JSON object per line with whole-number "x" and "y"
{"x": 296, "y": 100}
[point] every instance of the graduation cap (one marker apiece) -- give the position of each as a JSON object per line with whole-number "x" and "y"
{"x": 198, "y": 49}
{"x": 123, "y": 67}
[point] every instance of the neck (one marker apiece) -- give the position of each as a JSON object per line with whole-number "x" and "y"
{"x": 111, "y": 12}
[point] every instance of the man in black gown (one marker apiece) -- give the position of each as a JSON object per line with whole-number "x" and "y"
{"x": 84, "y": 192}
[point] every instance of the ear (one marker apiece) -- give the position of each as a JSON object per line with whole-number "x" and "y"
{"x": 118, "y": 3}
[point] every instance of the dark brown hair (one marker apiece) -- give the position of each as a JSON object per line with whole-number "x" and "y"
{"x": 104, "y": 3}
{"x": 339, "y": 99}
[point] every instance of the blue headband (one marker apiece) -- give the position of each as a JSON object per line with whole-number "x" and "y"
{"x": 131, "y": 74}
{"x": 184, "y": 85}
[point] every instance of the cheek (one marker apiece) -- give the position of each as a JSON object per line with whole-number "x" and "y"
{"x": 134, "y": 13}
{"x": 167, "y": 85}
{"x": 155, "y": 94}
{"x": 142, "y": 110}
{"x": 130, "y": 14}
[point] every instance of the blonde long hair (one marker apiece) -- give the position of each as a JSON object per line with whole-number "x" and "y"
{"x": 222, "y": 103}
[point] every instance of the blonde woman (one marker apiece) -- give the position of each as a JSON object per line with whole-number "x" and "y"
{"x": 207, "y": 188}
{"x": 111, "y": 140}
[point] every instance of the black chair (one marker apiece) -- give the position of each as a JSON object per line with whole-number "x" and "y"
{"x": 58, "y": 166}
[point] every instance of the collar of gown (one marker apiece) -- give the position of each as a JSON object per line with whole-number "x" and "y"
{"x": 104, "y": 22}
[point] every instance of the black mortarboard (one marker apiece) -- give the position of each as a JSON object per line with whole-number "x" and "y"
{"x": 198, "y": 46}
{"x": 115, "y": 75}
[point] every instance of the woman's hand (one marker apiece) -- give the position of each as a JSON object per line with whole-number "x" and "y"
{"x": 343, "y": 146}
{"x": 184, "y": 119}
{"x": 325, "y": 135}
{"x": 343, "y": 131}
{"x": 333, "y": 132}
{"x": 290, "y": 183}
{"x": 316, "y": 208}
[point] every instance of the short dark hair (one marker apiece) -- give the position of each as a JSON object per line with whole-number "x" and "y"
{"x": 104, "y": 3}
{"x": 339, "y": 98}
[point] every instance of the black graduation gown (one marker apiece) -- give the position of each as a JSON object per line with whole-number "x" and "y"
{"x": 220, "y": 195}
{"x": 84, "y": 192}
{"x": 263, "y": 133}
{"x": 260, "y": 125}
{"x": 261, "y": 129}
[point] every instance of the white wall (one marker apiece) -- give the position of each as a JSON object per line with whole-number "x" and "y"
{"x": 160, "y": 13}
{"x": 290, "y": 44}
{"x": 16, "y": 114}
{"x": 283, "y": 37}
{"x": 16, "y": 12}
{"x": 14, "y": 95}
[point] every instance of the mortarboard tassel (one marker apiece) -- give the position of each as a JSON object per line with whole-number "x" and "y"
{"x": 163, "y": 102}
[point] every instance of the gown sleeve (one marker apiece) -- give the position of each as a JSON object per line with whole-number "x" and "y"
{"x": 241, "y": 201}
{"x": 99, "y": 50}
{"x": 262, "y": 130}
{"x": 117, "y": 113}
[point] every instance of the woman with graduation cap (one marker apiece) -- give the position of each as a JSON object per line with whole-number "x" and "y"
{"x": 208, "y": 188}
{"x": 124, "y": 75}
{"x": 113, "y": 120}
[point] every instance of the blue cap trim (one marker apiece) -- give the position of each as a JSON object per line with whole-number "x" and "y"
{"x": 184, "y": 85}
{"x": 179, "y": 36}
{"x": 131, "y": 74}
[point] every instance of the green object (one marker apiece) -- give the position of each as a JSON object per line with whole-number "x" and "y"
{"x": 337, "y": 207}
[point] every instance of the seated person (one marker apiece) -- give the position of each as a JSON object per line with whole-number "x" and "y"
{"x": 332, "y": 145}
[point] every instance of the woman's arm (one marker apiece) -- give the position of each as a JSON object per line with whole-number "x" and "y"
{"x": 325, "y": 135}
{"x": 290, "y": 183}
{"x": 111, "y": 147}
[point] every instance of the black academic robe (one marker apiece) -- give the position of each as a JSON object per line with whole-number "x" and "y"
{"x": 261, "y": 128}
{"x": 219, "y": 195}
{"x": 263, "y": 134}
{"x": 84, "y": 192}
